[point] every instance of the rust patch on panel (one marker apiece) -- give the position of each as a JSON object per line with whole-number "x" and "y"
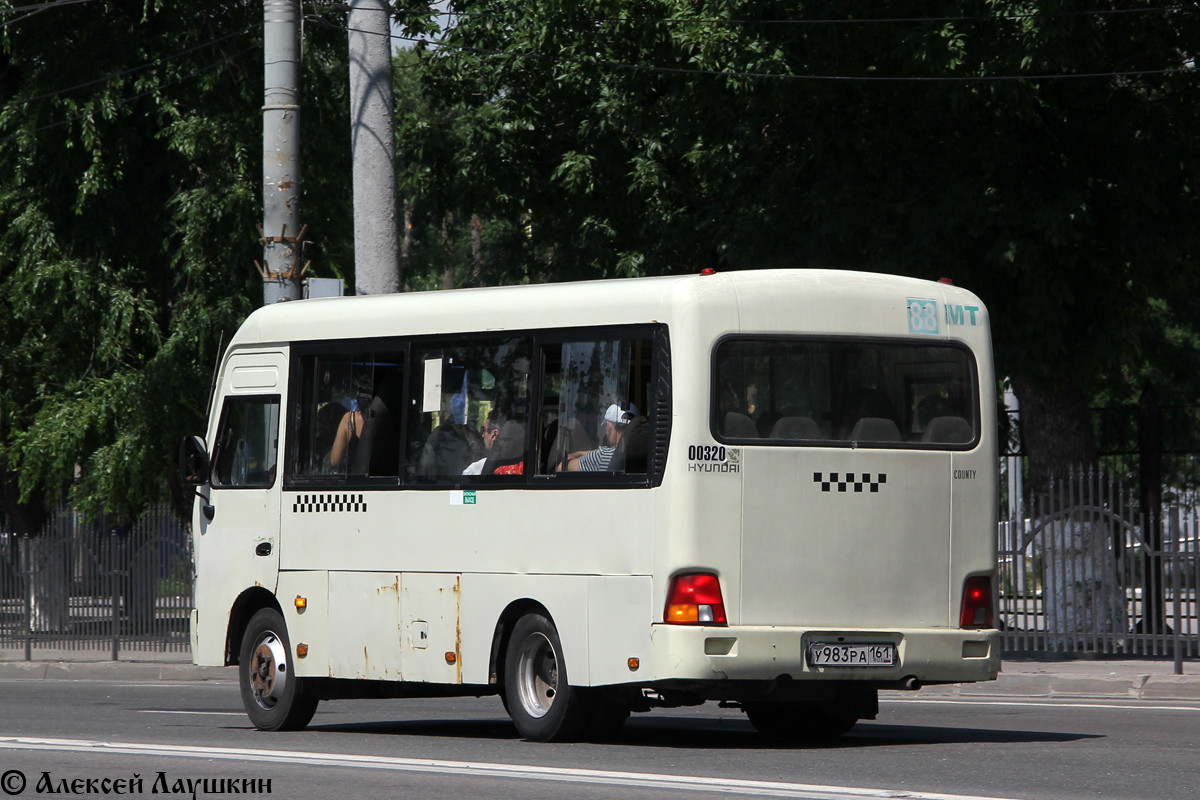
{"x": 458, "y": 629}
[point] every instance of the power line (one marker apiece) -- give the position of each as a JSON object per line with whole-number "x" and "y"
{"x": 132, "y": 70}
{"x": 33, "y": 9}
{"x": 126, "y": 100}
{"x": 781, "y": 75}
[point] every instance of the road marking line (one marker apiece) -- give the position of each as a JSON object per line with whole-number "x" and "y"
{"x": 1038, "y": 704}
{"x": 641, "y": 780}
{"x": 203, "y": 713}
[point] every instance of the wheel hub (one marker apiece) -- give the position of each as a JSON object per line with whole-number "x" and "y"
{"x": 268, "y": 670}
{"x": 537, "y": 673}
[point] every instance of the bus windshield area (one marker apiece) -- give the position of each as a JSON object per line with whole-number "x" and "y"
{"x": 838, "y": 391}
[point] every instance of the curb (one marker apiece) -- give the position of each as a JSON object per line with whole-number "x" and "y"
{"x": 112, "y": 671}
{"x": 1051, "y": 685}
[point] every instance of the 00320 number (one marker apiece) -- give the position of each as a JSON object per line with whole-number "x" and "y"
{"x": 706, "y": 452}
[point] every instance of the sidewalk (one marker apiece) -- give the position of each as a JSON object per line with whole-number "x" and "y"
{"x": 1126, "y": 679}
{"x": 1129, "y": 679}
{"x": 97, "y": 665}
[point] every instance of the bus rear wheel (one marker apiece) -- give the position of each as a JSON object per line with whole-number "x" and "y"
{"x": 540, "y": 699}
{"x": 798, "y": 721}
{"x": 274, "y": 698}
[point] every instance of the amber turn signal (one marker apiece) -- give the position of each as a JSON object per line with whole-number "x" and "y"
{"x": 633, "y": 664}
{"x": 451, "y": 657}
{"x": 301, "y": 603}
{"x": 301, "y": 650}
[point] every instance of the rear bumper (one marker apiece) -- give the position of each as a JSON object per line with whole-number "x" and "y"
{"x": 931, "y": 655}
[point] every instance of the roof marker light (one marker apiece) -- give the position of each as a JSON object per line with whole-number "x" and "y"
{"x": 708, "y": 271}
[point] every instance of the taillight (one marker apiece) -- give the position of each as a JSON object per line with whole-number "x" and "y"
{"x": 695, "y": 600}
{"x": 977, "y": 603}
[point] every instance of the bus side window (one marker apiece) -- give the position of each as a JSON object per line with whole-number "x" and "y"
{"x": 347, "y": 412}
{"x": 469, "y": 405}
{"x": 247, "y": 446}
{"x": 594, "y": 399}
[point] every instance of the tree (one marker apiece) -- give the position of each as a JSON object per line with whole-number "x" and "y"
{"x": 129, "y": 190}
{"x": 928, "y": 139}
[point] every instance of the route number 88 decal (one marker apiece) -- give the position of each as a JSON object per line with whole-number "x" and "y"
{"x": 922, "y": 316}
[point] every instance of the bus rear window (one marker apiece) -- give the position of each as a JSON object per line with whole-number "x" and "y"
{"x": 830, "y": 391}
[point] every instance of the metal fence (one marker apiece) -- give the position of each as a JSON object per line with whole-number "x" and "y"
{"x": 1083, "y": 571}
{"x": 87, "y": 585}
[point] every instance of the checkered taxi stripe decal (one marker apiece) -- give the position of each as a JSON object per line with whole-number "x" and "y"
{"x": 856, "y": 479}
{"x": 317, "y": 503}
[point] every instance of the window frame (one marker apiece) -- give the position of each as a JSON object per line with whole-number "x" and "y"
{"x": 448, "y": 341}
{"x": 714, "y": 399}
{"x": 227, "y": 402}
{"x": 658, "y": 413}
{"x": 336, "y": 347}
{"x": 657, "y": 335}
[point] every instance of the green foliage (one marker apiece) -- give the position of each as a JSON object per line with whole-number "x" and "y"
{"x": 130, "y": 174}
{"x": 640, "y": 138}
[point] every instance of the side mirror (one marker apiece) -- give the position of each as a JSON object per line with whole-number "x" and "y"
{"x": 193, "y": 461}
{"x": 194, "y": 468}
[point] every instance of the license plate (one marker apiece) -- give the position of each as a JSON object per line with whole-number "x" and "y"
{"x": 827, "y": 654}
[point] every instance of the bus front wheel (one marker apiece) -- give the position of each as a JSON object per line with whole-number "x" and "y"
{"x": 541, "y": 701}
{"x": 274, "y": 698}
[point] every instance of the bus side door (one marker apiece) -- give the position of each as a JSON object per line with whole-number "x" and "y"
{"x": 239, "y": 548}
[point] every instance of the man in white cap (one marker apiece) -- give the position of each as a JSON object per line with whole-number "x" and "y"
{"x": 616, "y": 419}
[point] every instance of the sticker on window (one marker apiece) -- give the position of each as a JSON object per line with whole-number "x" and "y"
{"x": 432, "y": 400}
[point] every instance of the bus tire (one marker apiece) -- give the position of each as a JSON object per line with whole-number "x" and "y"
{"x": 797, "y": 721}
{"x": 274, "y": 698}
{"x": 542, "y": 703}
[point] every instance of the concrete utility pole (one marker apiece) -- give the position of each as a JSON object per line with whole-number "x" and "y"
{"x": 373, "y": 148}
{"x": 281, "y": 229}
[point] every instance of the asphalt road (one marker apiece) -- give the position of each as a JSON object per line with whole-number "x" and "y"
{"x": 467, "y": 748}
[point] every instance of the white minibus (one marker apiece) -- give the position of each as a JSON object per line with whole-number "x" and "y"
{"x": 774, "y": 489}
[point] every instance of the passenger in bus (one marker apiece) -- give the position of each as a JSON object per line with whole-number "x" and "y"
{"x": 616, "y": 419}
{"x": 453, "y": 445}
{"x": 348, "y": 431}
{"x": 507, "y": 457}
{"x": 366, "y": 437}
{"x": 491, "y": 432}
